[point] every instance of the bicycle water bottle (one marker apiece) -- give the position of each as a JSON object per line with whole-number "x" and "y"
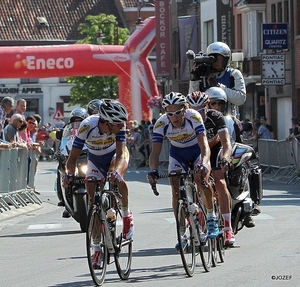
{"x": 111, "y": 219}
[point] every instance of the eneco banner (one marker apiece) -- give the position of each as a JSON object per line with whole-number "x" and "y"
{"x": 163, "y": 52}
{"x": 188, "y": 40}
{"x": 129, "y": 62}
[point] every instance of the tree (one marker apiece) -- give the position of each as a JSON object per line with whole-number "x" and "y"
{"x": 87, "y": 88}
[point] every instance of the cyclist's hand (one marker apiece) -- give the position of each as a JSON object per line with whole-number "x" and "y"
{"x": 67, "y": 179}
{"x": 114, "y": 177}
{"x": 153, "y": 176}
{"x": 225, "y": 164}
{"x": 203, "y": 170}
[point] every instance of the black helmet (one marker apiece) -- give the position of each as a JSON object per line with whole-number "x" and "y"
{"x": 93, "y": 106}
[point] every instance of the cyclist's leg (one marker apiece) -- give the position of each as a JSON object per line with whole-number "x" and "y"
{"x": 206, "y": 193}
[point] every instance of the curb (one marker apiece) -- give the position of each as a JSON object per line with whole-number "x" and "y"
{"x": 18, "y": 211}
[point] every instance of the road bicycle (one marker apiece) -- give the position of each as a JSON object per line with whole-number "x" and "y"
{"x": 192, "y": 231}
{"x": 105, "y": 235}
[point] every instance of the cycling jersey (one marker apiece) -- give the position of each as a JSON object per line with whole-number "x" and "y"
{"x": 101, "y": 146}
{"x": 179, "y": 137}
{"x": 97, "y": 142}
{"x": 214, "y": 123}
{"x": 184, "y": 148}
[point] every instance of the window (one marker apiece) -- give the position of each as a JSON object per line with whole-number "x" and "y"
{"x": 260, "y": 20}
{"x": 30, "y": 81}
{"x": 209, "y": 32}
{"x": 279, "y": 12}
{"x": 273, "y": 13}
{"x": 286, "y": 12}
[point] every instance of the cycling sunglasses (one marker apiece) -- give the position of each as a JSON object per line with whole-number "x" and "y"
{"x": 216, "y": 103}
{"x": 176, "y": 113}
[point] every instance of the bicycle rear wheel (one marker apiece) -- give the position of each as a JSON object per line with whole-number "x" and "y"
{"x": 123, "y": 249}
{"x": 96, "y": 246}
{"x": 205, "y": 248}
{"x": 185, "y": 238}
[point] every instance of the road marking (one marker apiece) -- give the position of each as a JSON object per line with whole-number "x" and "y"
{"x": 263, "y": 216}
{"x": 44, "y": 226}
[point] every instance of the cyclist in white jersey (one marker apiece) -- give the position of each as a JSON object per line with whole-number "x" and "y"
{"x": 189, "y": 146}
{"x": 104, "y": 136}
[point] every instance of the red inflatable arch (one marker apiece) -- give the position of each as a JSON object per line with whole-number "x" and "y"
{"x": 129, "y": 62}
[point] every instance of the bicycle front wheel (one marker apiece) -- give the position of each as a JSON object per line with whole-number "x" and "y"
{"x": 186, "y": 243}
{"x": 96, "y": 246}
{"x": 123, "y": 249}
{"x": 205, "y": 243}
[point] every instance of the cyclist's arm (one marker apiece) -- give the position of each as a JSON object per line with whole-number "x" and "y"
{"x": 154, "y": 156}
{"x": 225, "y": 141}
{"x": 120, "y": 157}
{"x": 205, "y": 150}
{"x": 72, "y": 159}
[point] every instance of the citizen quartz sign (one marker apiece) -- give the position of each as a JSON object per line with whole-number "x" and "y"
{"x": 275, "y": 36}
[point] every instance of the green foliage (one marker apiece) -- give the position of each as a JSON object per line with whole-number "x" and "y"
{"x": 87, "y": 88}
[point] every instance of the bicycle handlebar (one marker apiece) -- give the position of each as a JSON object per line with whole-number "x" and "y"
{"x": 171, "y": 174}
{"x": 114, "y": 190}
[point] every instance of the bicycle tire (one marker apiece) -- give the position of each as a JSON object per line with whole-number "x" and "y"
{"x": 123, "y": 249}
{"x": 220, "y": 240}
{"x": 186, "y": 242}
{"x": 96, "y": 226}
{"x": 205, "y": 248}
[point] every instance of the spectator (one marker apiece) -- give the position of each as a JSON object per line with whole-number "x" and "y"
{"x": 247, "y": 132}
{"x": 11, "y": 131}
{"x": 6, "y": 107}
{"x": 295, "y": 131}
{"x": 263, "y": 121}
{"x": 261, "y": 131}
{"x": 20, "y": 109}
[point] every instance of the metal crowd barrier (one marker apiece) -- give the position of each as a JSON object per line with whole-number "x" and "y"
{"x": 17, "y": 170}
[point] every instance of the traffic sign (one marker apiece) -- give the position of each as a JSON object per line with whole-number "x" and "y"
{"x": 58, "y": 115}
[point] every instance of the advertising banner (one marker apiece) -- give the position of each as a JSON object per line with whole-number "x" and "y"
{"x": 188, "y": 39}
{"x": 275, "y": 36}
{"x": 225, "y": 22}
{"x": 163, "y": 52}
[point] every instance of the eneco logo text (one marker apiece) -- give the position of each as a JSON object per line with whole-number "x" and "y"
{"x": 50, "y": 63}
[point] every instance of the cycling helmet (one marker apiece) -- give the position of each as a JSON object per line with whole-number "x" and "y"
{"x": 216, "y": 93}
{"x": 93, "y": 106}
{"x": 78, "y": 113}
{"x": 222, "y": 49}
{"x": 112, "y": 111}
{"x": 197, "y": 99}
{"x": 173, "y": 98}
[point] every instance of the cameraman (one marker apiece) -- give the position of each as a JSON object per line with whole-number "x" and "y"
{"x": 220, "y": 74}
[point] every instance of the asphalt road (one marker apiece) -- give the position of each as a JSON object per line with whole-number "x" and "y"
{"x": 40, "y": 248}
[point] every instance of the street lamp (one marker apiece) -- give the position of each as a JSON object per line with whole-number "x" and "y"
{"x": 140, "y": 4}
{"x": 100, "y": 35}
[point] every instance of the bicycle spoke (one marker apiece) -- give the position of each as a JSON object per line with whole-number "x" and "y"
{"x": 185, "y": 239}
{"x": 123, "y": 252}
{"x": 96, "y": 247}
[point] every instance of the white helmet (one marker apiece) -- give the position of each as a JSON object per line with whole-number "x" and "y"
{"x": 197, "y": 99}
{"x": 112, "y": 111}
{"x": 222, "y": 49}
{"x": 173, "y": 98}
{"x": 216, "y": 93}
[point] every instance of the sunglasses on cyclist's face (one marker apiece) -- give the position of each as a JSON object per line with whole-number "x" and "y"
{"x": 176, "y": 113}
{"x": 216, "y": 103}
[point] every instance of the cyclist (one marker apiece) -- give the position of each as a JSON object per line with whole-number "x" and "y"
{"x": 220, "y": 147}
{"x": 223, "y": 76}
{"x": 93, "y": 106}
{"x": 104, "y": 136}
{"x": 186, "y": 132}
{"x": 218, "y": 101}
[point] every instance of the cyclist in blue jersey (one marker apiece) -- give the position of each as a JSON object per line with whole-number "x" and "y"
{"x": 104, "y": 135}
{"x": 185, "y": 130}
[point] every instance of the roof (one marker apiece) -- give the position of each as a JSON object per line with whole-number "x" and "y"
{"x": 133, "y": 3}
{"x": 39, "y": 20}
